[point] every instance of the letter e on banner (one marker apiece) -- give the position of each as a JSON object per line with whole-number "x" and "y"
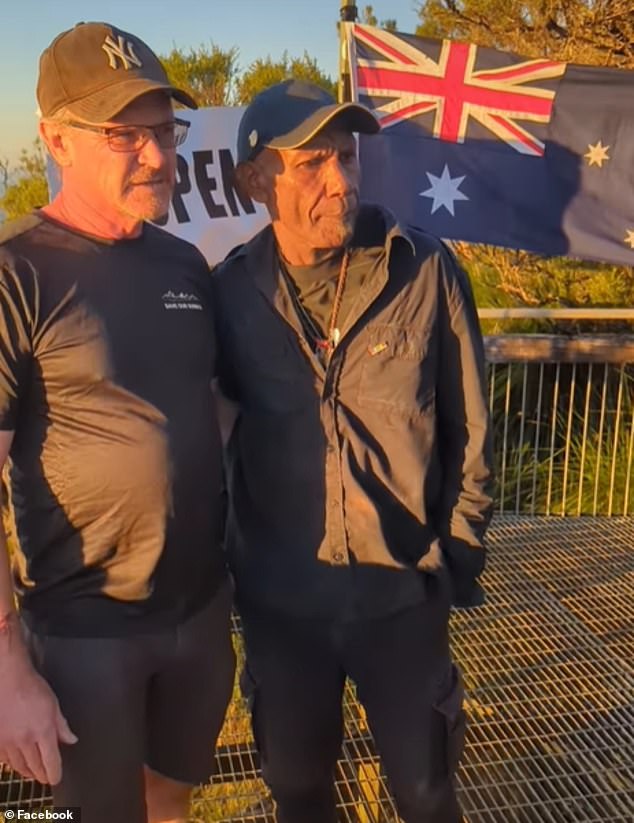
{"x": 206, "y": 209}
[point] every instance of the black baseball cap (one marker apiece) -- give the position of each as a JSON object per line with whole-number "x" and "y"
{"x": 289, "y": 114}
{"x": 95, "y": 70}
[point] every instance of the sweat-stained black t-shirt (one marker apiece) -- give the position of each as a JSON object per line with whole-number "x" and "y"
{"x": 106, "y": 360}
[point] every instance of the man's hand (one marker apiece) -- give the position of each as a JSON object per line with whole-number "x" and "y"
{"x": 31, "y": 723}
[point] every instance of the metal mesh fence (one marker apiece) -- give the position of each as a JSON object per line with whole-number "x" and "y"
{"x": 548, "y": 665}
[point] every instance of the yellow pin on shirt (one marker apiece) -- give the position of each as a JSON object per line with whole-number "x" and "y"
{"x": 377, "y": 349}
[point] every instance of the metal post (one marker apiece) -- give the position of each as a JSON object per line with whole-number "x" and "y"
{"x": 349, "y": 11}
{"x": 348, "y": 14}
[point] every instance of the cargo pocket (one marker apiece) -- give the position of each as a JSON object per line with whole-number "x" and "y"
{"x": 450, "y": 707}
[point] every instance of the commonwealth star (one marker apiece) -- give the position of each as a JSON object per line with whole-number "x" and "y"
{"x": 444, "y": 191}
{"x": 597, "y": 155}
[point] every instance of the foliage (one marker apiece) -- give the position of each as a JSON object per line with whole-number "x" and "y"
{"x": 25, "y": 186}
{"x": 589, "y": 476}
{"x": 369, "y": 18}
{"x": 599, "y": 32}
{"x": 572, "y": 456}
{"x": 597, "y": 473}
{"x": 265, "y": 72}
{"x": 515, "y": 278}
{"x": 206, "y": 73}
{"x": 212, "y": 77}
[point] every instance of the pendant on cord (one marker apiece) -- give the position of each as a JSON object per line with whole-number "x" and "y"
{"x": 326, "y": 347}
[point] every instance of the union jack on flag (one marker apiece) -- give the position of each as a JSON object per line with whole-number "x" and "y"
{"x": 402, "y": 78}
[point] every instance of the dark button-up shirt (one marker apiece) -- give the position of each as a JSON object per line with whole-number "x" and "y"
{"x": 348, "y": 481}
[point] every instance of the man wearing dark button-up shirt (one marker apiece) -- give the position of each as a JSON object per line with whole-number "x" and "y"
{"x": 359, "y": 464}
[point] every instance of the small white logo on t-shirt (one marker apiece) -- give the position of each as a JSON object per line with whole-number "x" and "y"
{"x": 181, "y": 300}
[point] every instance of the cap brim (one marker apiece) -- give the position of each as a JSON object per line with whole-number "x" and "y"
{"x": 106, "y": 103}
{"x": 354, "y": 118}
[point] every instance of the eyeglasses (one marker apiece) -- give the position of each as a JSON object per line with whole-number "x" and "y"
{"x": 133, "y": 138}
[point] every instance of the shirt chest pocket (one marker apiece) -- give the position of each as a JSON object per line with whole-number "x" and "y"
{"x": 398, "y": 369}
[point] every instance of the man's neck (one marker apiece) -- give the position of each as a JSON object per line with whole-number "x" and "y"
{"x": 76, "y": 213}
{"x": 297, "y": 254}
{"x": 313, "y": 260}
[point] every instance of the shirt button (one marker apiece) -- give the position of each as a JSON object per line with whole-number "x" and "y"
{"x": 338, "y": 557}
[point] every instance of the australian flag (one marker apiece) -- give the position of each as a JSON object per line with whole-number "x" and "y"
{"x": 488, "y": 147}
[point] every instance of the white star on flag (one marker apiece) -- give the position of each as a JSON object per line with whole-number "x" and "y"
{"x": 444, "y": 191}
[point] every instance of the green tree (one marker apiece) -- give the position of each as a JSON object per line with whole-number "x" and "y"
{"x": 598, "y": 32}
{"x": 369, "y": 18}
{"x": 265, "y": 72}
{"x": 25, "y": 186}
{"x": 517, "y": 278}
{"x": 207, "y": 73}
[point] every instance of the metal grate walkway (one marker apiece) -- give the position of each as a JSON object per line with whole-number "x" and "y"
{"x": 549, "y": 670}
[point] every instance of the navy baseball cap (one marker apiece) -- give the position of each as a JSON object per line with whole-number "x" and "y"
{"x": 289, "y": 114}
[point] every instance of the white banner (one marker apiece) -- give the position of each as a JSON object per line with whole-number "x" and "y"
{"x": 206, "y": 208}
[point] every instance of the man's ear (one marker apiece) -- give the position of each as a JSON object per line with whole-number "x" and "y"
{"x": 55, "y": 137}
{"x": 253, "y": 182}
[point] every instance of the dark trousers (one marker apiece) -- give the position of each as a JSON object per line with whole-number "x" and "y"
{"x": 405, "y": 679}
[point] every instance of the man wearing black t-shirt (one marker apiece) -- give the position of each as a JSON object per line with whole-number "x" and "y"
{"x": 116, "y": 678}
{"x": 359, "y": 467}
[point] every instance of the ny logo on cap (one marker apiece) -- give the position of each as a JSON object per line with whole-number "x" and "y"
{"x": 118, "y": 50}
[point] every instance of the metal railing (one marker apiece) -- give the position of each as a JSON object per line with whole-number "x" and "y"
{"x": 563, "y": 416}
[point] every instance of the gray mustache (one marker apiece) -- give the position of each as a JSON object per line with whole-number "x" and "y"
{"x": 142, "y": 180}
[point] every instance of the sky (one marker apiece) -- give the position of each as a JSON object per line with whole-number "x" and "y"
{"x": 256, "y": 27}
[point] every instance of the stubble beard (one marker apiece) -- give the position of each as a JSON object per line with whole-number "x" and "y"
{"x": 148, "y": 205}
{"x": 337, "y": 235}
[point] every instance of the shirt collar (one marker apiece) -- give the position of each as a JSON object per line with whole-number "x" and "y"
{"x": 375, "y": 226}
